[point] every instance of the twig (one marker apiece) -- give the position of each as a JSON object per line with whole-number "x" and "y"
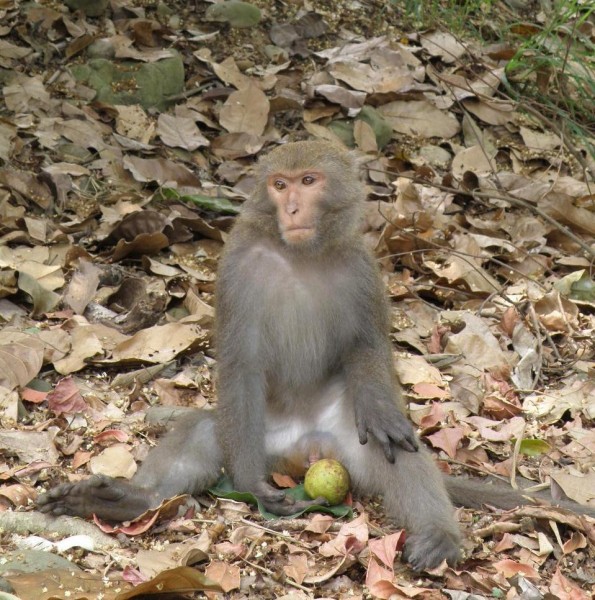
{"x": 287, "y": 580}
{"x": 490, "y": 530}
{"x": 289, "y": 525}
{"x": 515, "y": 457}
{"x": 575, "y": 153}
{"x": 496, "y": 195}
{"x": 535, "y": 322}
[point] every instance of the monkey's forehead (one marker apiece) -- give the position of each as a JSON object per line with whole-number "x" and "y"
{"x": 299, "y": 156}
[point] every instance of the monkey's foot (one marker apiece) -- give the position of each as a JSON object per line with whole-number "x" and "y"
{"x": 426, "y": 550}
{"x": 108, "y": 498}
{"x": 289, "y": 506}
{"x": 278, "y": 503}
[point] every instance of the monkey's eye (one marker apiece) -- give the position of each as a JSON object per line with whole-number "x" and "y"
{"x": 308, "y": 180}
{"x": 279, "y": 184}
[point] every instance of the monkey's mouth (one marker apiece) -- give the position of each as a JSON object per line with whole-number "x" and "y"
{"x": 298, "y": 234}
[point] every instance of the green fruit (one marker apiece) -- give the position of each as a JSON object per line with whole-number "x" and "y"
{"x": 327, "y": 478}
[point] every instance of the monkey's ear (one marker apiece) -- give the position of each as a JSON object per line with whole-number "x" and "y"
{"x": 360, "y": 160}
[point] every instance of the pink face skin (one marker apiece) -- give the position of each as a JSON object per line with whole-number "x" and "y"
{"x": 296, "y": 196}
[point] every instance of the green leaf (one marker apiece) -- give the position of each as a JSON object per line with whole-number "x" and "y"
{"x": 237, "y": 14}
{"x": 224, "y": 489}
{"x": 381, "y": 127}
{"x": 583, "y": 290}
{"x": 533, "y": 447}
{"x": 218, "y": 205}
{"x": 343, "y": 130}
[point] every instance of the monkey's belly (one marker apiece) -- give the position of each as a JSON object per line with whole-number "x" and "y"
{"x": 321, "y": 426}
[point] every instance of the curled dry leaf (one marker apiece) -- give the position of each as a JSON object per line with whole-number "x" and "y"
{"x": 66, "y": 398}
{"x": 556, "y": 313}
{"x": 158, "y": 344}
{"x": 21, "y": 358}
{"x": 245, "y": 111}
{"x": 225, "y": 575}
{"x": 82, "y": 286}
{"x": 447, "y": 439}
{"x": 477, "y": 343}
{"x": 29, "y": 446}
{"x": 180, "y": 132}
{"x": 160, "y": 170}
{"x": 419, "y": 118}
{"x": 114, "y": 461}
{"x": 443, "y": 44}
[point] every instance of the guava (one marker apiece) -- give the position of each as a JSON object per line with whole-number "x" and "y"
{"x": 327, "y": 478}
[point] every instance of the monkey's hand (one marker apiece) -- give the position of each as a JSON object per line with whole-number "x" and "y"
{"x": 276, "y": 502}
{"x": 385, "y": 422}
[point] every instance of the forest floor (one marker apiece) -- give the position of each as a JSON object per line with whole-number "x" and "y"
{"x": 128, "y": 135}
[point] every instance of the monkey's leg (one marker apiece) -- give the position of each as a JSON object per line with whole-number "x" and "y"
{"x": 414, "y": 496}
{"x": 186, "y": 461}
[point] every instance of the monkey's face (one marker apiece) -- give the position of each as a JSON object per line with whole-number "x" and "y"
{"x": 297, "y": 197}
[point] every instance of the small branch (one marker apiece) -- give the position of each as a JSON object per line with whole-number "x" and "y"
{"x": 25, "y": 523}
{"x": 496, "y": 195}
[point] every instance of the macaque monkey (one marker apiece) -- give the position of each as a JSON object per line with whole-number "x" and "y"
{"x": 304, "y": 365}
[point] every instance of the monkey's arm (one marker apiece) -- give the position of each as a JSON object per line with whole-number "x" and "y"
{"x": 376, "y": 398}
{"x": 241, "y": 386}
{"x": 370, "y": 373}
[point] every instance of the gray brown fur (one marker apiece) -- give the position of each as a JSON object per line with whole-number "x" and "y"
{"x": 304, "y": 361}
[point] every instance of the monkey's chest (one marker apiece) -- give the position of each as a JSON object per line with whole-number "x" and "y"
{"x": 306, "y": 327}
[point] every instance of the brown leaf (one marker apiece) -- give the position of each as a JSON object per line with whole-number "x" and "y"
{"x": 225, "y": 575}
{"x": 160, "y": 170}
{"x": 510, "y": 568}
{"x": 245, "y": 111}
{"x": 66, "y": 398}
{"x": 144, "y": 243}
{"x": 180, "y": 132}
{"x": 21, "y": 358}
{"x": 385, "y": 548}
{"x": 444, "y": 45}
{"x": 563, "y": 588}
{"x": 236, "y": 145}
{"x": 82, "y": 287}
{"x": 181, "y": 580}
{"x": 447, "y": 439}
{"x": 111, "y": 435}
{"x": 19, "y": 494}
{"x": 114, "y": 461}
{"x": 158, "y": 344}
{"x": 419, "y": 117}
{"x": 29, "y": 446}
{"x": 297, "y": 567}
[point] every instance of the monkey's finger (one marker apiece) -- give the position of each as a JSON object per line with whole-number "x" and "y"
{"x": 387, "y": 447}
{"x": 408, "y": 442}
{"x": 268, "y": 493}
{"x": 389, "y": 452}
{"x": 362, "y": 434}
{"x": 320, "y": 501}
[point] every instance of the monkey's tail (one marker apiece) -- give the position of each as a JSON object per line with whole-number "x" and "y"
{"x": 478, "y": 493}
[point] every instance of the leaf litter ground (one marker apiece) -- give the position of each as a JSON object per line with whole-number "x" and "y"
{"x": 113, "y": 217}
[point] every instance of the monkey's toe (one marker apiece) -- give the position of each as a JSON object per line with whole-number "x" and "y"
{"x": 289, "y": 506}
{"x": 106, "y": 497}
{"x": 428, "y": 549}
{"x": 65, "y": 499}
